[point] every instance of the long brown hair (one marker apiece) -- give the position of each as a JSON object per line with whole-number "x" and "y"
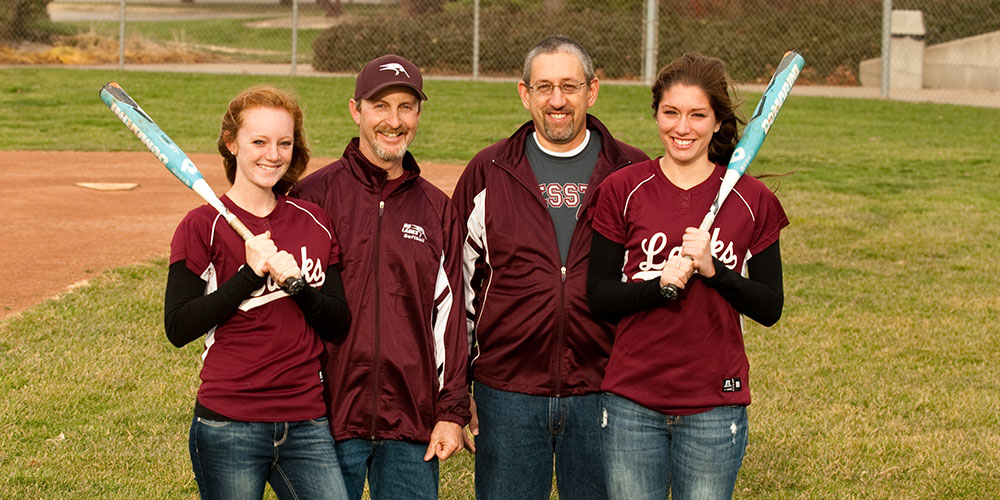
{"x": 708, "y": 74}
{"x": 267, "y": 97}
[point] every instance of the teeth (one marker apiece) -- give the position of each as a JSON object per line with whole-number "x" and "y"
{"x": 683, "y": 142}
{"x": 559, "y": 116}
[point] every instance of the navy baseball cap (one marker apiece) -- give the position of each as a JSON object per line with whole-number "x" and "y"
{"x": 386, "y": 71}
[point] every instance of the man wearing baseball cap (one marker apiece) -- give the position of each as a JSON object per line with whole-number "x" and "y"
{"x": 397, "y": 392}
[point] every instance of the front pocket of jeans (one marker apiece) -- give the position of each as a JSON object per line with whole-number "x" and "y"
{"x": 319, "y": 422}
{"x": 213, "y": 423}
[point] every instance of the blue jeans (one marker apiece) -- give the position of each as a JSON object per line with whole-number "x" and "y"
{"x": 233, "y": 460}
{"x": 519, "y": 438}
{"x": 647, "y": 453}
{"x": 395, "y": 469}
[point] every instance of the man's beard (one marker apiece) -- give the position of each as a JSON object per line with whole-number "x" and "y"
{"x": 384, "y": 154}
{"x": 562, "y": 136}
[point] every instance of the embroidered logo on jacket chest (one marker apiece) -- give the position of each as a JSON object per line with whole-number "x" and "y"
{"x": 414, "y": 232}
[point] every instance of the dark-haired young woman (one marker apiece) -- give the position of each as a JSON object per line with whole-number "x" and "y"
{"x": 676, "y": 387}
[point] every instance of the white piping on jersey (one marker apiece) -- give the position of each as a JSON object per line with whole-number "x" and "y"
{"x": 443, "y": 299}
{"x": 215, "y": 222}
{"x": 636, "y": 188}
{"x": 211, "y": 285}
{"x": 744, "y": 271}
{"x": 476, "y": 227}
{"x": 752, "y": 217}
{"x": 568, "y": 154}
{"x": 311, "y": 216}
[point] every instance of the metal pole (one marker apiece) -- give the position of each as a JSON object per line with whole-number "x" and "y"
{"x": 121, "y": 37}
{"x": 475, "y": 39}
{"x": 295, "y": 35}
{"x": 886, "y": 40}
{"x": 649, "y": 61}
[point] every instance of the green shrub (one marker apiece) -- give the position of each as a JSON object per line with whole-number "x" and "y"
{"x": 18, "y": 18}
{"x": 440, "y": 42}
{"x": 834, "y": 36}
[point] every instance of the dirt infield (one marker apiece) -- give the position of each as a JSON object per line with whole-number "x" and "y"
{"x": 58, "y": 234}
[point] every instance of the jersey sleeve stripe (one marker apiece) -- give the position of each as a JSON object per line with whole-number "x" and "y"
{"x": 443, "y": 302}
{"x": 215, "y": 223}
{"x": 636, "y": 188}
{"x": 476, "y": 246}
{"x": 753, "y": 218}
{"x": 311, "y": 216}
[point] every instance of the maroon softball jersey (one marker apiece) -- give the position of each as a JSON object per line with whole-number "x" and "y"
{"x": 262, "y": 364}
{"x": 686, "y": 356}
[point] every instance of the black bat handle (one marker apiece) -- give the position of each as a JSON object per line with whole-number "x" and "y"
{"x": 294, "y": 285}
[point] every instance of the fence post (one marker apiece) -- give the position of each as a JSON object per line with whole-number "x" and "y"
{"x": 475, "y": 39}
{"x": 649, "y": 39}
{"x": 886, "y": 39}
{"x": 121, "y": 37}
{"x": 295, "y": 35}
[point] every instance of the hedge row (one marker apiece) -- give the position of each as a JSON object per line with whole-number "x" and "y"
{"x": 750, "y": 35}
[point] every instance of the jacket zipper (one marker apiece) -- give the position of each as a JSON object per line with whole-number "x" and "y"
{"x": 559, "y": 331}
{"x": 561, "y": 324}
{"x": 376, "y": 359}
{"x": 561, "y": 320}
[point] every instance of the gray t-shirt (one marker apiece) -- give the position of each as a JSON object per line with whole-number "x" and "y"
{"x": 563, "y": 178}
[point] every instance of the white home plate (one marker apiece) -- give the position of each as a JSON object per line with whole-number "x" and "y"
{"x": 108, "y": 186}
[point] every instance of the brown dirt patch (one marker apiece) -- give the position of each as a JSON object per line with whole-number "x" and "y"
{"x": 58, "y": 234}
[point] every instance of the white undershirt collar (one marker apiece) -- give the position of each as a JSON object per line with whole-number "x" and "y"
{"x": 573, "y": 152}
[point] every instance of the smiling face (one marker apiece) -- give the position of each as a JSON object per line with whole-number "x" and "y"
{"x": 560, "y": 118}
{"x": 263, "y": 147}
{"x": 387, "y": 124}
{"x": 686, "y": 122}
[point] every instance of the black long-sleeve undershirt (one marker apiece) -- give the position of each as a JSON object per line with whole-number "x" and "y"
{"x": 189, "y": 314}
{"x": 760, "y": 297}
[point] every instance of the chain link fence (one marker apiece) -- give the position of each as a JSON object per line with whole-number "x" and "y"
{"x": 628, "y": 39}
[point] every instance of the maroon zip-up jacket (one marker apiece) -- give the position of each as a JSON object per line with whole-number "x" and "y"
{"x": 530, "y": 328}
{"x": 402, "y": 367}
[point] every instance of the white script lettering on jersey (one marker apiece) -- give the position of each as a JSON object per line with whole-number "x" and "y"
{"x": 312, "y": 271}
{"x": 653, "y": 246}
{"x": 568, "y": 195}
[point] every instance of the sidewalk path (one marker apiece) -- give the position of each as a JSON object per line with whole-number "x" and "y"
{"x": 963, "y": 97}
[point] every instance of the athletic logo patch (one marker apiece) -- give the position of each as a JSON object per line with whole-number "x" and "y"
{"x": 414, "y": 232}
{"x": 732, "y": 385}
{"x": 394, "y": 67}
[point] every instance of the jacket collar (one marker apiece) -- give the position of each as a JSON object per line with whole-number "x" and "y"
{"x": 372, "y": 175}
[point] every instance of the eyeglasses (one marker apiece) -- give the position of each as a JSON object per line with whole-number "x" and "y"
{"x": 546, "y": 88}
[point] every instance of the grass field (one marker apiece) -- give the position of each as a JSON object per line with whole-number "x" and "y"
{"x": 878, "y": 382}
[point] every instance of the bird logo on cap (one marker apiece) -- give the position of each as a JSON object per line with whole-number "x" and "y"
{"x": 394, "y": 67}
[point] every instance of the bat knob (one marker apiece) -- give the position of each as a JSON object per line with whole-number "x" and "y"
{"x": 669, "y": 292}
{"x": 293, "y": 286}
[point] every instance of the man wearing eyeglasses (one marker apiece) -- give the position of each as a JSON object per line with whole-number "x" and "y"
{"x": 537, "y": 354}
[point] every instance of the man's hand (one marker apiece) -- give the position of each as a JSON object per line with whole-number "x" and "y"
{"x": 467, "y": 438}
{"x": 446, "y": 439}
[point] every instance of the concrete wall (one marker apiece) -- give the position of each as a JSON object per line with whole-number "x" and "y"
{"x": 968, "y": 63}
